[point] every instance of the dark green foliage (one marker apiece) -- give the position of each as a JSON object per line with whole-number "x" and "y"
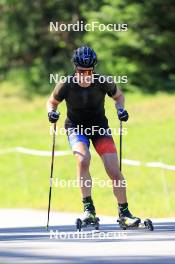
{"x": 145, "y": 52}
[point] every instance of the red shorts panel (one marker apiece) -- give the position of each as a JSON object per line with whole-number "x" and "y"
{"x": 104, "y": 145}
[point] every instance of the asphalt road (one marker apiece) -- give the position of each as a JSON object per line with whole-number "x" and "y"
{"x": 24, "y": 239}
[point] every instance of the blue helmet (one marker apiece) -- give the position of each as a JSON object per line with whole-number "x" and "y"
{"x": 84, "y": 57}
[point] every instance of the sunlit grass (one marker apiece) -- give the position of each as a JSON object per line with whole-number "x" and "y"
{"x": 25, "y": 178}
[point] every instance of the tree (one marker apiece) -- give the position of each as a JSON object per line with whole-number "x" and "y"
{"x": 145, "y": 52}
{"x": 29, "y": 50}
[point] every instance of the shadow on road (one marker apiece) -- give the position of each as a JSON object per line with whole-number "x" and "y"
{"x": 19, "y": 257}
{"x": 68, "y": 233}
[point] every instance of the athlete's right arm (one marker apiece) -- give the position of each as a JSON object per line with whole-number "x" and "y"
{"x": 57, "y": 96}
{"x": 52, "y": 104}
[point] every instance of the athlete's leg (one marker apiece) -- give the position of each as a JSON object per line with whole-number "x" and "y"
{"x": 106, "y": 149}
{"x": 111, "y": 165}
{"x": 80, "y": 147}
{"x": 82, "y": 154}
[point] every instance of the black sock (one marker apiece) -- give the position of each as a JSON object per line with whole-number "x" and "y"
{"x": 123, "y": 207}
{"x": 88, "y": 204}
{"x": 87, "y": 199}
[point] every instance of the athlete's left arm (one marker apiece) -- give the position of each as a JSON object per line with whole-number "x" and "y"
{"x": 119, "y": 99}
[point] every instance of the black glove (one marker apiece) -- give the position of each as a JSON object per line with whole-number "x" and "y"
{"x": 53, "y": 116}
{"x": 122, "y": 114}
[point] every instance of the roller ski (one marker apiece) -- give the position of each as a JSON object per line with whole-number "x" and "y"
{"x": 127, "y": 221}
{"x": 89, "y": 217}
{"x": 87, "y": 221}
{"x": 147, "y": 224}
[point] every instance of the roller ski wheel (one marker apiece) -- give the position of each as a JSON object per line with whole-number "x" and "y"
{"x": 97, "y": 225}
{"x": 80, "y": 224}
{"x": 148, "y": 225}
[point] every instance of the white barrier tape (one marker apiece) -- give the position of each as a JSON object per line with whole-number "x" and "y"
{"x": 131, "y": 162}
{"x": 42, "y": 152}
{"x": 45, "y": 153}
{"x": 34, "y": 152}
{"x": 160, "y": 165}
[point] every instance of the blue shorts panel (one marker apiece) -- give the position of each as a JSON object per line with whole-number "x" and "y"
{"x": 74, "y": 138}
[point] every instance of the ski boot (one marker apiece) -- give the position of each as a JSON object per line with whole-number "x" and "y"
{"x": 126, "y": 219}
{"x": 134, "y": 222}
{"x": 89, "y": 217}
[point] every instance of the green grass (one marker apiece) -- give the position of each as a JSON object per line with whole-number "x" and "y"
{"x": 25, "y": 178}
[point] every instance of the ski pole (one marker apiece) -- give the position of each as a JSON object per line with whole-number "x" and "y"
{"x": 120, "y": 145}
{"x": 51, "y": 174}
